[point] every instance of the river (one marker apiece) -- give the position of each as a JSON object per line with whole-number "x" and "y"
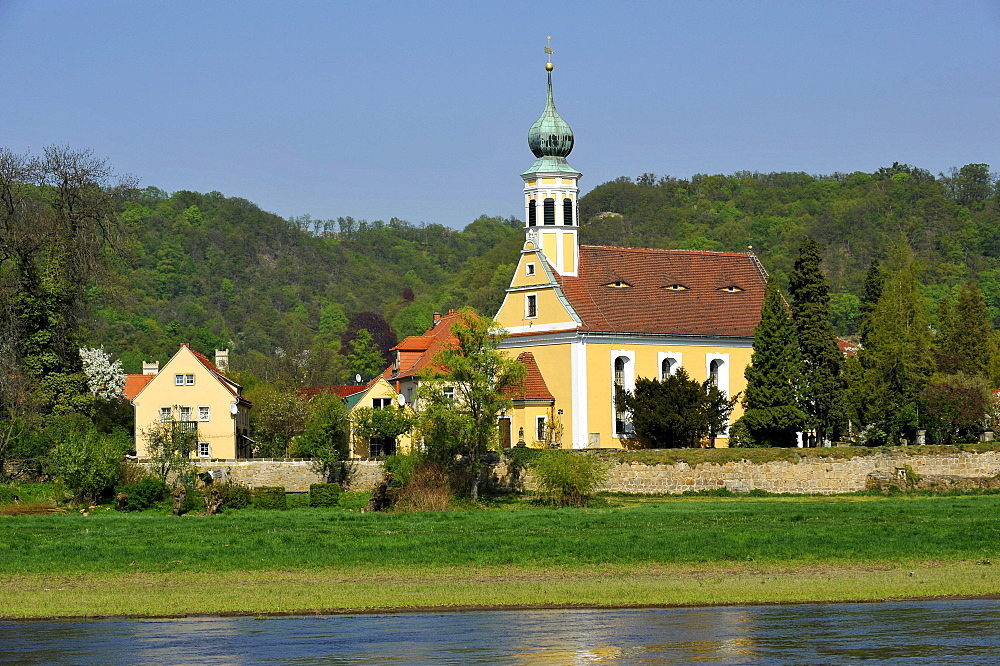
{"x": 953, "y": 632}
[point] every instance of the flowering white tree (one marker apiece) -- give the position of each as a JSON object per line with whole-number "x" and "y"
{"x": 105, "y": 378}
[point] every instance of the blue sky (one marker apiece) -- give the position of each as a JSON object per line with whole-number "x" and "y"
{"x": 421, "y": 110}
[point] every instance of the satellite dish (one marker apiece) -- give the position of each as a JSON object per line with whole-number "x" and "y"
{"x": 400, "y": 400}
{"x": 357, "y": 378}
{"x": 233, "y": 409}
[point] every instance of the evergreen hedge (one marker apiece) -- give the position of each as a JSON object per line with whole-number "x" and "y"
{"x": 234, "y": 496}
{"x": 269, "y": 497}
{"x": 324, "y": 494}
{"x": 143, "y": 494}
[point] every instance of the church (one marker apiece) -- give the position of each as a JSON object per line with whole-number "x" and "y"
{"x": 592, "y": 319}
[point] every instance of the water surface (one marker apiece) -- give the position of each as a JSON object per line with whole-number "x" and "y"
{"x": 954, "y": 632}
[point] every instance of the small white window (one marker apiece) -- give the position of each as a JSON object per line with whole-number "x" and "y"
{"x": 204, "y": 413}
{"x": 179, "y": 380}
{"x": 529, "y": 269}
{"x": 530, "y": 306}
{"x": 203, "y": 450}
{"x": 189, "y": 380}
{"x": 165, "y": 414}
{"x": 540, "y": 428}
{"x": 449, "y": 393}
{"x": 185, "y": 413}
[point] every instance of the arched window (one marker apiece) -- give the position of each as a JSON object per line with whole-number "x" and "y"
{"x": 667, "y": 367}
{"x": 550, "y": 211}
{"x": 532, "y": 215}
{"x": 713, "y": 371}
{"x": 567, "y": 211}
{"x": 619, "y": 387}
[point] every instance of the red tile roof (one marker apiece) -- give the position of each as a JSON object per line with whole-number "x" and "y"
{"x": 847, "y": 347}
{"x": 534, "y": 387}
{"x": 702, "y": 307}
{"x": 416, "y": 352}
{"x": 230, "y": 385}
{"x": 135, "y": 383}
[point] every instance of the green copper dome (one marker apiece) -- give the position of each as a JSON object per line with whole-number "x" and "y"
{"x": 550, "y": 136}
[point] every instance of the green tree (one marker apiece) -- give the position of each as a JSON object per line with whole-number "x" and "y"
{"x": 965, "y": 342}
{"x": 676, "y": 412}
{"x": 821, "y": 382}
{"x": 277, "y": 417}
{"x": 365, "y": 357}
{"x": 88, "y": 462}
{"x": 896, "y": 360}
{"x": 169, "y": 447}
{"x": 383, "y": 423}
{"x": 772, "y": 415}
{"x": 479, "y": 375}
{"x": 326, "y": 439}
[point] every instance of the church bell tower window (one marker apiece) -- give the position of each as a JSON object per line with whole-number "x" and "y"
{"x": 567, "y": 212}
{"x": 550, "y": 211}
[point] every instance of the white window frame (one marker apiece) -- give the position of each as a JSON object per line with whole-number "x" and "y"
{"x": 529, "y": 268}
{"x": 204, "y": 450}
{"x": 178, "y": 380}
{"x": 182, "y": 412}
{"x": 541, "y": 426}
{"x": 723, "y": 378}
{"x": 528, "y": 300}
{"x": 168, "y": 412}
{"x": 449, "y": 393}
{"x": 677, "y": 362}
{"x": 204, "y": 413}
{"x": 628, "y": 384}
{"x": 188, "y": 380}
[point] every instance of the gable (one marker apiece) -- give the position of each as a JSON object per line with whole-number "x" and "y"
{"x": 673, "y": 292}
{"x": 534, "y": 279}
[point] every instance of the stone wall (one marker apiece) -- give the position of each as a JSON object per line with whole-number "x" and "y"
{"x": 295, "y": 475}
{"x": 807, "y": 475}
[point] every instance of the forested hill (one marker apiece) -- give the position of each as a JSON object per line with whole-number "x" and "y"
{"x": 219, "y": 272}
{"x": 952, "y": 223}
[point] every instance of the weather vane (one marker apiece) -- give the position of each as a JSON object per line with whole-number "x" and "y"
{"x": 548, "y": 52}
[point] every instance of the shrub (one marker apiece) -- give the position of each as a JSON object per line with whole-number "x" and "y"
{"x": 269, "y": 497}
{"x": 324, "y": 494}
{"x": 234, "y": 496}
{"x": 569, "y": 477}
{"x": 143, "y": 494}
{"x": 194, "y": 500}
{"x": 428, "y": 489}
{"x": 402, "y": 468}
{"x": 87, "y": 461}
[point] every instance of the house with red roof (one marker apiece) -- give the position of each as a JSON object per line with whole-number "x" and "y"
{"x": 193, "y": 393}
{"x": 593, "y": 319}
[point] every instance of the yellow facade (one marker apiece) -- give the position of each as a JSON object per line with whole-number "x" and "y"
{"x": 186, "y": 390}
{"x": 376, "y": 396}
{"x": 578, "y": 365}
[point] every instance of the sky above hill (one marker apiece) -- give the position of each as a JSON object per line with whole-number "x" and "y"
{"x": 421, "y": 110}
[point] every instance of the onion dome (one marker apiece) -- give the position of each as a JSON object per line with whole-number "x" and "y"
{"x": 550, "y": 135}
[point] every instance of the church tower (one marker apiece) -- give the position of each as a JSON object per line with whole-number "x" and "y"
{"x": 551, "y": 193}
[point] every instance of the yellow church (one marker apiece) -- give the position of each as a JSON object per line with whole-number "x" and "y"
{"x": 594, "y": 319}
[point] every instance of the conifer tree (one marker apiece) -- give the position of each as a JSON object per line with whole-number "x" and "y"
{"x": 772, "y": 415}
{"x": 874, "y": 280}
{"x": 896, "y": 358}
{"x": 821, "y": 384}
{"x": 965, "y": 338}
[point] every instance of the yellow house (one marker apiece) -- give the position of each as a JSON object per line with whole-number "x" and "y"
{"x": 596, "y": 318}
{"x": 379, "y": 394}
{"x": 192, "y": 391}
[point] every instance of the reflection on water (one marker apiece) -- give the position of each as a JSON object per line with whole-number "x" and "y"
{"x": 956, "y": 632}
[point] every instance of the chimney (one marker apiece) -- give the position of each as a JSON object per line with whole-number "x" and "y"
{"x": 222, "y": 359}
{"x": 150, "y": 367}
{"x": 451, "y": 311}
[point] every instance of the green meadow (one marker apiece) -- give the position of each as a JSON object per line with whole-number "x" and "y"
{"x": 626, "y": 551}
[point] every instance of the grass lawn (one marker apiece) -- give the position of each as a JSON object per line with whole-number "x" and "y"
{"x": 632, "y": 551}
